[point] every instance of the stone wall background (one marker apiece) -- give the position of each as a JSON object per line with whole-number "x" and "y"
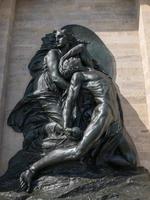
{"x": 116, "y": 22}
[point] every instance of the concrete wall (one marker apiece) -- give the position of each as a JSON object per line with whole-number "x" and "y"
{"x": 116, "y": 23}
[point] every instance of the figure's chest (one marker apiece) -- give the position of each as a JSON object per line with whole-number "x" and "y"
{"x": 96, "y": 87}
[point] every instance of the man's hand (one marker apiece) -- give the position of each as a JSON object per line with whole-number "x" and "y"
{"x": 74, "y": 133}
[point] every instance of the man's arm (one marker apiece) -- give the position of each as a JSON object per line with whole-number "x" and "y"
{"x": 52, "y": 63}
{"x": 73, "y": 93}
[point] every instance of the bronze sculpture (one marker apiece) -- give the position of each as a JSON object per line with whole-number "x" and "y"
{"x": 71, "y": 98}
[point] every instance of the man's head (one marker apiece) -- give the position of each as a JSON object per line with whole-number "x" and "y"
{"x": 70, "y": 66}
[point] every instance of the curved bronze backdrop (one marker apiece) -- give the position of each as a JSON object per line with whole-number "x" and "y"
{"x": 96, "y": 48}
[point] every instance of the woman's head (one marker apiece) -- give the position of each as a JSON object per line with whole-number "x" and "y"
{"x": 61, "y": 38}
{"x": 64, "y": 37}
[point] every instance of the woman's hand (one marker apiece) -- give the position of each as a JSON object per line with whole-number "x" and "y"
{"x": 61, "y": 62}
{"x": 63, "y": 58}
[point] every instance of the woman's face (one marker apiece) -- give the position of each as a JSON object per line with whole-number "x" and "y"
{"x": 61, "y": 39}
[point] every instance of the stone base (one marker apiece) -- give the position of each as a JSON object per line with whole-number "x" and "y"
{"x": 75, "y": 181}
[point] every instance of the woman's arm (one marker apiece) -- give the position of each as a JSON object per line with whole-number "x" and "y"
{"x": 52, "y": 63}
{"x": 73, "y": 52}
{"x": 81, "y": 50}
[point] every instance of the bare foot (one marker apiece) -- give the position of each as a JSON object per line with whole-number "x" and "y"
{"x": 25, "y": 180}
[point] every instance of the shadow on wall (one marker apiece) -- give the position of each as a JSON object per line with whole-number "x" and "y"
{"x": 135, "y": 127}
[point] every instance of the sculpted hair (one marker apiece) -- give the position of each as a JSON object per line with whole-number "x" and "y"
{"x": 72, "y": 40}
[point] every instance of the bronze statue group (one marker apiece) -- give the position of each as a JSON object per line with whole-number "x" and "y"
{"x": 69, "y": 97}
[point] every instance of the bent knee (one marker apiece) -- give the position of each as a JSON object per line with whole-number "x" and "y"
{"x": 106, "y": 116}
{"x": 77, "y": 153}
{"x": 104, "y": 110}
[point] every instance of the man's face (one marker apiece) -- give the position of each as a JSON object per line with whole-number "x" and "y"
{"x": 61, "y": 39}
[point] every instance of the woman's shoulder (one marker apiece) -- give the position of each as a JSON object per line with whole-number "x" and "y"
{"x": 53, "y": 51}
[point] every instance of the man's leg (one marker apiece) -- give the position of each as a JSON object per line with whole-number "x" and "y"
{"x": 100, "y": 122}
{"x": 128, "y": 151}
{"x": 126, "y": 157}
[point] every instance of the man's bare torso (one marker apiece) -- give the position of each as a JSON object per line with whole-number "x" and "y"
{"x": 102, "y": 89}
{"x": 98, "y": 83}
